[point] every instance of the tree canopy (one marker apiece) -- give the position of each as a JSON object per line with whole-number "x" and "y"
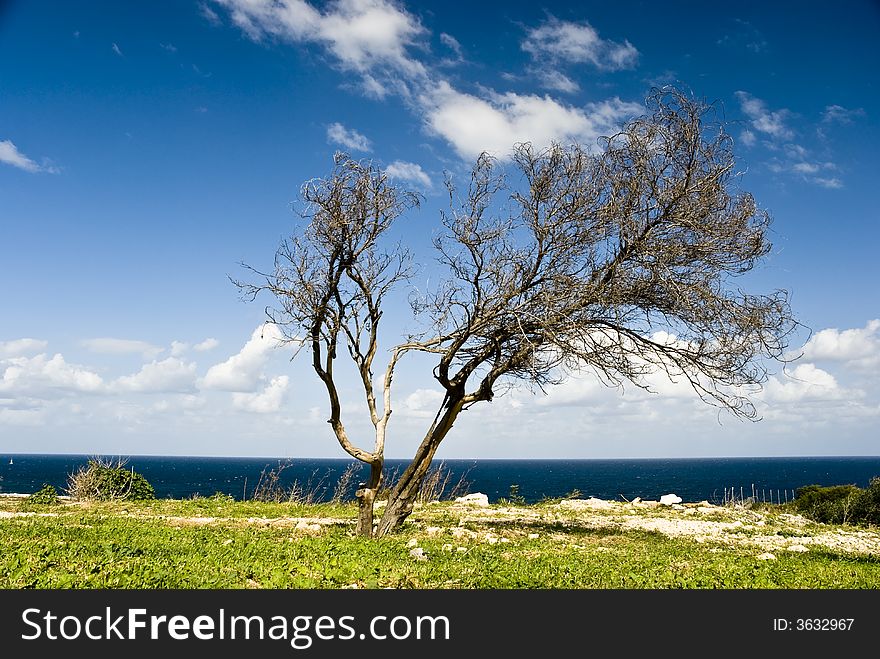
{"x": 615, "y": 260}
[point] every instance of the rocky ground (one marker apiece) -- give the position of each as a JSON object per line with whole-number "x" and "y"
{"x": 472, "y": 519}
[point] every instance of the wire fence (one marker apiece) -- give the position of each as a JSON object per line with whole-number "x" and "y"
{"x": 743, "y": 495}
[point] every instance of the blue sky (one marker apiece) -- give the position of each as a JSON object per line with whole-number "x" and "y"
{"x": 146, "y": 148}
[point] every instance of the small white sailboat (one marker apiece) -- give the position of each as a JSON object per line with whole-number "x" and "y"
{"x": 10, "y": 460}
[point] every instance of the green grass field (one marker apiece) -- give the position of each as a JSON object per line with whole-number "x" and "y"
{"x": 219, "y": 543}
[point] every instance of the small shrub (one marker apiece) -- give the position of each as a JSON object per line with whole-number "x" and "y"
{"x": 342, "y": 490}
{"x": 269, "y": 487}
{"x": 46, "y": 495}
{"x": 437, "y": 485}
{"x": 106, "y": 480}
{"x": 514, "y": 497}
{"x": 868, "y": 504}
{"x": 837, "y": 504}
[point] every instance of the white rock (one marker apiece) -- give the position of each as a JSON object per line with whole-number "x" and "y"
{"x": 766, "y": 556}
{"x": 433, "y": 530}
{"x": 461, "y": 549}
{"x": 799, "y": 548}
{"x": 476, "y": 499}
{"x": 669, "y": 499}
{"x": 419, "y": 554}
{"x": 592, "y": 502}
{"x": 447, "y": 547}
{"x": 412, "y": 542}
{"x": 533, "y": 536}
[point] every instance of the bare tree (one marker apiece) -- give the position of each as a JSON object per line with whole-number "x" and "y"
{"x": 617, "y": 262}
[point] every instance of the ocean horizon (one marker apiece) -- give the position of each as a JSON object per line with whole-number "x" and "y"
{"x": 693, "y": 479}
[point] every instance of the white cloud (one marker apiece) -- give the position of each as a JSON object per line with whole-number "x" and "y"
{"x": 10, "y": 155}
{"x": 579, "y": 43}
{"x": 268, "y": 400}
{"x": 840, "y": 114}
{"x": 40, "y": 377}
{"x": 242, "y": 371}
{"x": 207, "y": 344}
{"x": 112, "y": 346}
{"x": 557, "y": 81}
{"x": 168, "y": 375}
{"x": 16, "y": 417}
{"x": 21, "y": 346}
{"x": 858, "y": 346}
{"x": 339, "y": 134}
{"x": 178, "y": 348}
{"x": 473, "y": 125}
{"x": 833, "y": 183}
{"x": 452, "y": 43}
{"x": 762, "y": 119}
{"x": 422, "y": 403}
{"x": 805, "y": 168}
{"x": 806, "y": 382}
{"x": 117, "y": 50}
{"x": 361, "y": 34}
{"x": 408, "y": 171}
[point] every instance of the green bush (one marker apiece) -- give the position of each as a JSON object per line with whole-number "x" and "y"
{"x": 840, "y": 504}
{"x": 45, "y": 495}
{"x": 102, "y": 480}
{"x": 868, "y": 505}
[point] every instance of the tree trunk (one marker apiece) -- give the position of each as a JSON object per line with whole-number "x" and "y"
{"x": 366, "y": 496}
{"x": 406, "y": 490}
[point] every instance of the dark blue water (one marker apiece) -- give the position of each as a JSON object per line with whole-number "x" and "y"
{"x": 693, "y": 479}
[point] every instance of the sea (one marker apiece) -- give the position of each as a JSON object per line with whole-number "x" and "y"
{"x": 693, "y": 479}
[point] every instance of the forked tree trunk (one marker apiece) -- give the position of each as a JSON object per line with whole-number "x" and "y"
{"x": 366, "y": 497}
{"x": 406, "y": 490}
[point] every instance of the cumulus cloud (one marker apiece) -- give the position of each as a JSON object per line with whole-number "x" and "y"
{"x": 10, "y": 155}
{"x": 408, "y": 171}
{"x": 422, "y": 403}
{"x": 242, "y": 371}
{"x": 557, "y": 81}
{"x": 42, "y": 377}
{"x": 21, "y": 347}
{"x": 361, "y": 34}
{"x": 178, "y": 348}
{"x": 207, "y": 344}
{"x": 265, "y": 401}
{"x": 112, "y": 346}
{"x": 349, "y": 138}
{"x": 578, "y": 43}
{"x": 860, "y": 347}
{"x": 168, "y": 375}
{"x": 494, "y": 124}
{"x": 806, "y": 382}
{"x": 762, "y": 119}
{"x": 376, "y": 39}
{"x": 747, "y": 138}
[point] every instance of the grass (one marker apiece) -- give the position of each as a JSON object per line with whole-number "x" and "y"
{"x": 216, "y": 542}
